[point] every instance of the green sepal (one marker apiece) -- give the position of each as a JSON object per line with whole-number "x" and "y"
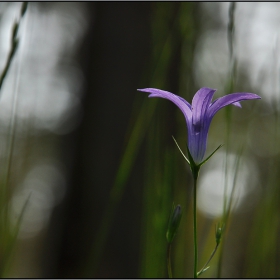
{"x": 194, "y": 167}
{"x": 187, "y": 160}
{"x": 174, "y": 222}
{"x": 210, "y": 155}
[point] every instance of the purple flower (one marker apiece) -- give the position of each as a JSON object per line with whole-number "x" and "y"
{"x": 199, "y": 115}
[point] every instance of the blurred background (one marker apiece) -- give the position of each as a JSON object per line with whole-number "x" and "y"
{"x": 90, "y": 162}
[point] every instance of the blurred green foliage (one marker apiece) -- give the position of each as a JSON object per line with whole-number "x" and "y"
{"x": 249, "y": 246}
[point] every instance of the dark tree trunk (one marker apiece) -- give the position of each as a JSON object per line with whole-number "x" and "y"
{"x": 113, "y": 56}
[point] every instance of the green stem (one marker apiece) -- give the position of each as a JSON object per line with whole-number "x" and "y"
{"x": 169, "y": 261}
{"x": 195, "y": 171}
{"x": 195, "y": 229}
{"x": 212, "y": 255}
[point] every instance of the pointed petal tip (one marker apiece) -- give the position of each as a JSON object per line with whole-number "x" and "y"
{"x": 208, "y": 88}
{"x": 148, "y": 90}
{"x": 237, "y": 104}
{"x": 151, "y": 90}
{"x": 251, "y": 95}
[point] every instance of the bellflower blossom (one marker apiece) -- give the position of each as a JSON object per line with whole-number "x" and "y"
{"x": 200, "y": 113}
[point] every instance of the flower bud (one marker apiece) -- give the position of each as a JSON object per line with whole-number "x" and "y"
{"x": 174, "y": 222}
{"x": 219, "y": 232}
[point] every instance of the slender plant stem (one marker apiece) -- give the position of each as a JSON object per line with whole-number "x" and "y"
{"x": 212, "y": 255}
{"x": 195, "y": 229}
{"x": 169, "y": 261}
{"x": 232, "y": 78}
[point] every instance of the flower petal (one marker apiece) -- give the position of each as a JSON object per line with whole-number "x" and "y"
{"x": 237, "y": 104}
{"x": 200, "y": 103}
{"x": 232, "y": 98}
{"x": 183, "y": 105}
{"x": 197, "y": 142}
